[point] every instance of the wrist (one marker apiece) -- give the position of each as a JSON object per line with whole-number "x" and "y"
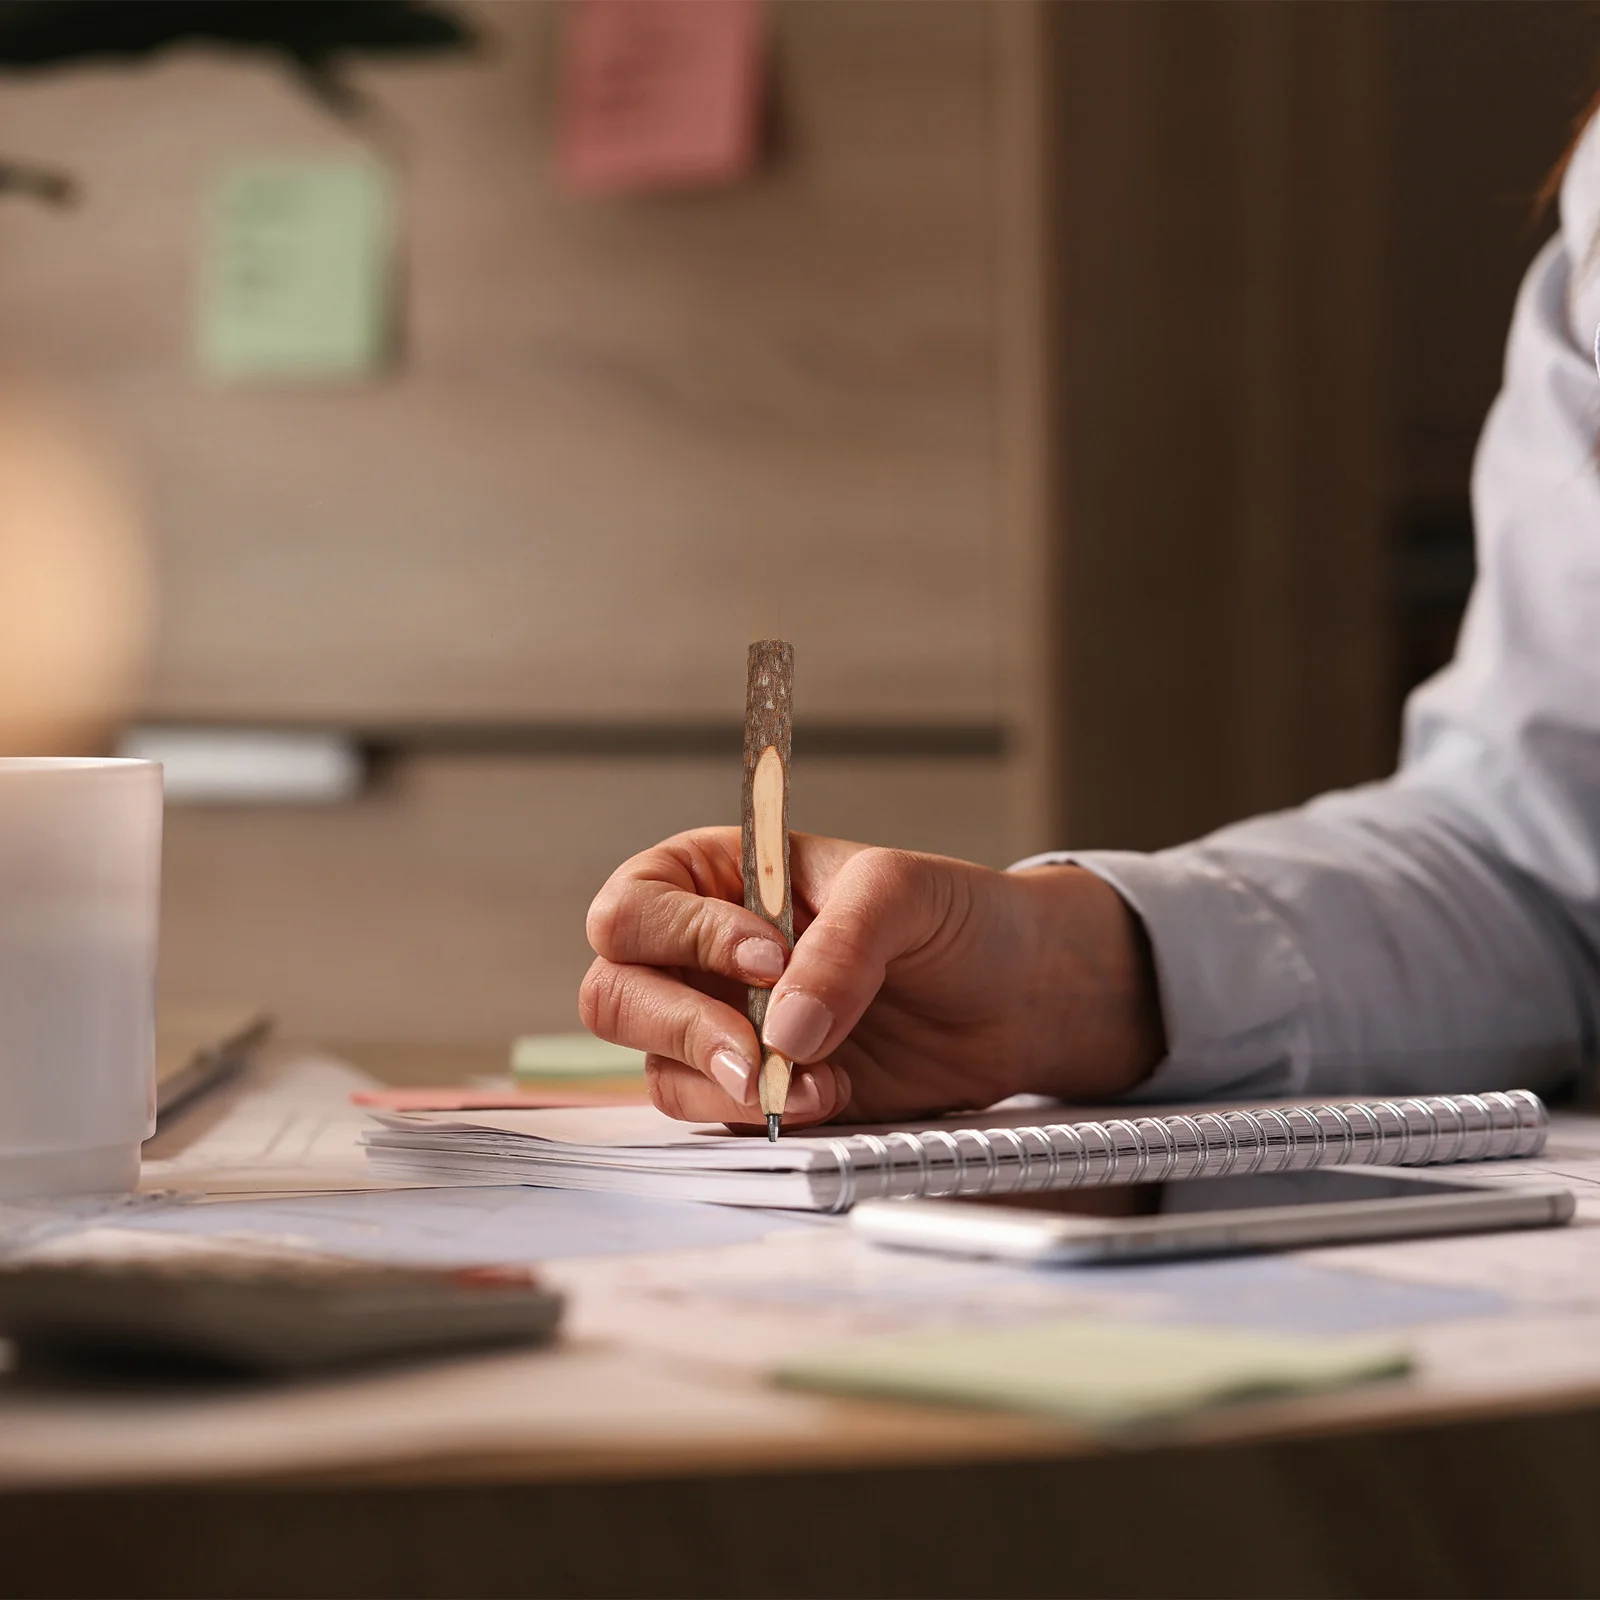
{"x": 1093, "y": 1013}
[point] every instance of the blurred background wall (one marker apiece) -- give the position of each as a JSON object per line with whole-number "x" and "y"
{"x": 1087, "y": 390}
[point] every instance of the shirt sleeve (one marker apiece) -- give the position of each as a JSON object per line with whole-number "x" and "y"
{"x": 1440, "y": 931}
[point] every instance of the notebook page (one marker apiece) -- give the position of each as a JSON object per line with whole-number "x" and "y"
{"x": 645, "y": 1132}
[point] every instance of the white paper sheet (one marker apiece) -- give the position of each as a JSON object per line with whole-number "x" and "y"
{"x": 285, "y": 1125}
{"x": 464, "y": 1226}
{"x": 1535, "y": 1267}
{"x": 750, "y": 1305}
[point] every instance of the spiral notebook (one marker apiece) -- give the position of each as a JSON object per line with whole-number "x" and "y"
{"x": 636, "y": 1150}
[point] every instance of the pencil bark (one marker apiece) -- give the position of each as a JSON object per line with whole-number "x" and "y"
{"x": 764, "y": 817}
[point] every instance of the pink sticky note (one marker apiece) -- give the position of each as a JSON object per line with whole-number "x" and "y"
{"x": 661, "y": 93}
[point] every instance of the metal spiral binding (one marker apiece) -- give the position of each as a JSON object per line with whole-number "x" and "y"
{"x": 1421, "y": 1131}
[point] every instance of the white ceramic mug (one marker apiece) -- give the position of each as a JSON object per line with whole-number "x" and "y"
{"x": 80, "y": 892}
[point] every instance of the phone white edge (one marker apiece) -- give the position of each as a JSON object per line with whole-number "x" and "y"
{"x": 969, "y": 1228}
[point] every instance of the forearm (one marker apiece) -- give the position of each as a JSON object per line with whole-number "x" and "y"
{"x": 1367, "y": 942}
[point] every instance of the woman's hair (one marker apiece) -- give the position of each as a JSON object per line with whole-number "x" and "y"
{"x": 1550, "y": 189}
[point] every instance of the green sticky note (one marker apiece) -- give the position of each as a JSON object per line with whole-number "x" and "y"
{"x": 573, "y": 1055}
{"x": 296, "y": 280}
{"x": 1099, "y": 1374}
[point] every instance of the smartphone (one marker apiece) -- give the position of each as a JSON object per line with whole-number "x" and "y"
{"x": 1209, "y": 1216}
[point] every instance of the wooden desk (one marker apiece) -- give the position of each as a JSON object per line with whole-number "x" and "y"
{"x": 1483, "y": 1505}
{"x": 613, "y": 1471}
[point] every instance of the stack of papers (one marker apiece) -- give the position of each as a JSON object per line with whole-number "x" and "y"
{"x": 621, "y": 1149}
{"x": 634, "y": 1149}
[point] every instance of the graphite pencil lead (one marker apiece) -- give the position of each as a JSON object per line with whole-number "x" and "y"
{"x": 774, "y": 1123}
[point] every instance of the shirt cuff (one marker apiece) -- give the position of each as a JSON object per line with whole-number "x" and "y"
{"x": 1236, "y": 993}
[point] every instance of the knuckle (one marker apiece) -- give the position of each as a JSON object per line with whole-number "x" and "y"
{"x": 887, "y": 906}
{"x": 843, "y": 1091}
{"x": 690, "y": 850}
{"x": 601, "y": 1000}
{"x": 704, "y": 935}
{"x": 890, "y": 877}
{"x": 608, "y": 917}
{"x": 702, "y": 1037}
{"x": 703, "y": 854}
{"x": 849, "y": 945}
{"x": 903, "y": 881}
{"x": 617, "y": 914}
{"x": 666, "y": 1087}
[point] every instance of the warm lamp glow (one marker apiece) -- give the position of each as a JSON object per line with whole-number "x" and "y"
{"x": 75, "y": 588}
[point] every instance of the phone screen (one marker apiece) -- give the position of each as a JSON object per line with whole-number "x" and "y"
{"x": 1237, "y": 1193}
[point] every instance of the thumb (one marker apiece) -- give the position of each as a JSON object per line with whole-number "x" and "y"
{"x": 882, "y": 904}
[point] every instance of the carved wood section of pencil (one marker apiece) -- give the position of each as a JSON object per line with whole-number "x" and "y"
{"x": 764, "y": 816}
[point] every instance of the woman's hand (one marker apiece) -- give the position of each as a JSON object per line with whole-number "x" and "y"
{"x": 917, "y": 984}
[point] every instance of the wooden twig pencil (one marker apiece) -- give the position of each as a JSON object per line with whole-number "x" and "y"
{"x": 764, "y": 818}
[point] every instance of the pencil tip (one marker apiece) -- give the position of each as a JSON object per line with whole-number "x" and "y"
{"x": 774, "y": 1123}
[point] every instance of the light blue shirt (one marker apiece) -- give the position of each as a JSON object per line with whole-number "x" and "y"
{"x": 1439, "y": 931}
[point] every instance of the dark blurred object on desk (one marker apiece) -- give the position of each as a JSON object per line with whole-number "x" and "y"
{"x": 199, "y": 1048}
{"x": 235, "y": 1311}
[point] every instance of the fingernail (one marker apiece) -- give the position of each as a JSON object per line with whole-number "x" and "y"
{"x": 732, "y": 1074}
{"x": 805, "y": 1098}
{"x": 796, "y": 1025}
{"x": 759, "y": 958}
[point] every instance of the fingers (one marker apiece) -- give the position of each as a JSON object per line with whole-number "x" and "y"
{"x": 816, "y": 1093}
{"x": 679, "y": 906}
{"x": 881, "y": 905}
{"x": 701, "y": 1055}
{"x": 652, "y": 1011}
{"x": 671, "y": 907}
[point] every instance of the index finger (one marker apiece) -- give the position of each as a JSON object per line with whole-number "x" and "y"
{"x": 680, "y": 905}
